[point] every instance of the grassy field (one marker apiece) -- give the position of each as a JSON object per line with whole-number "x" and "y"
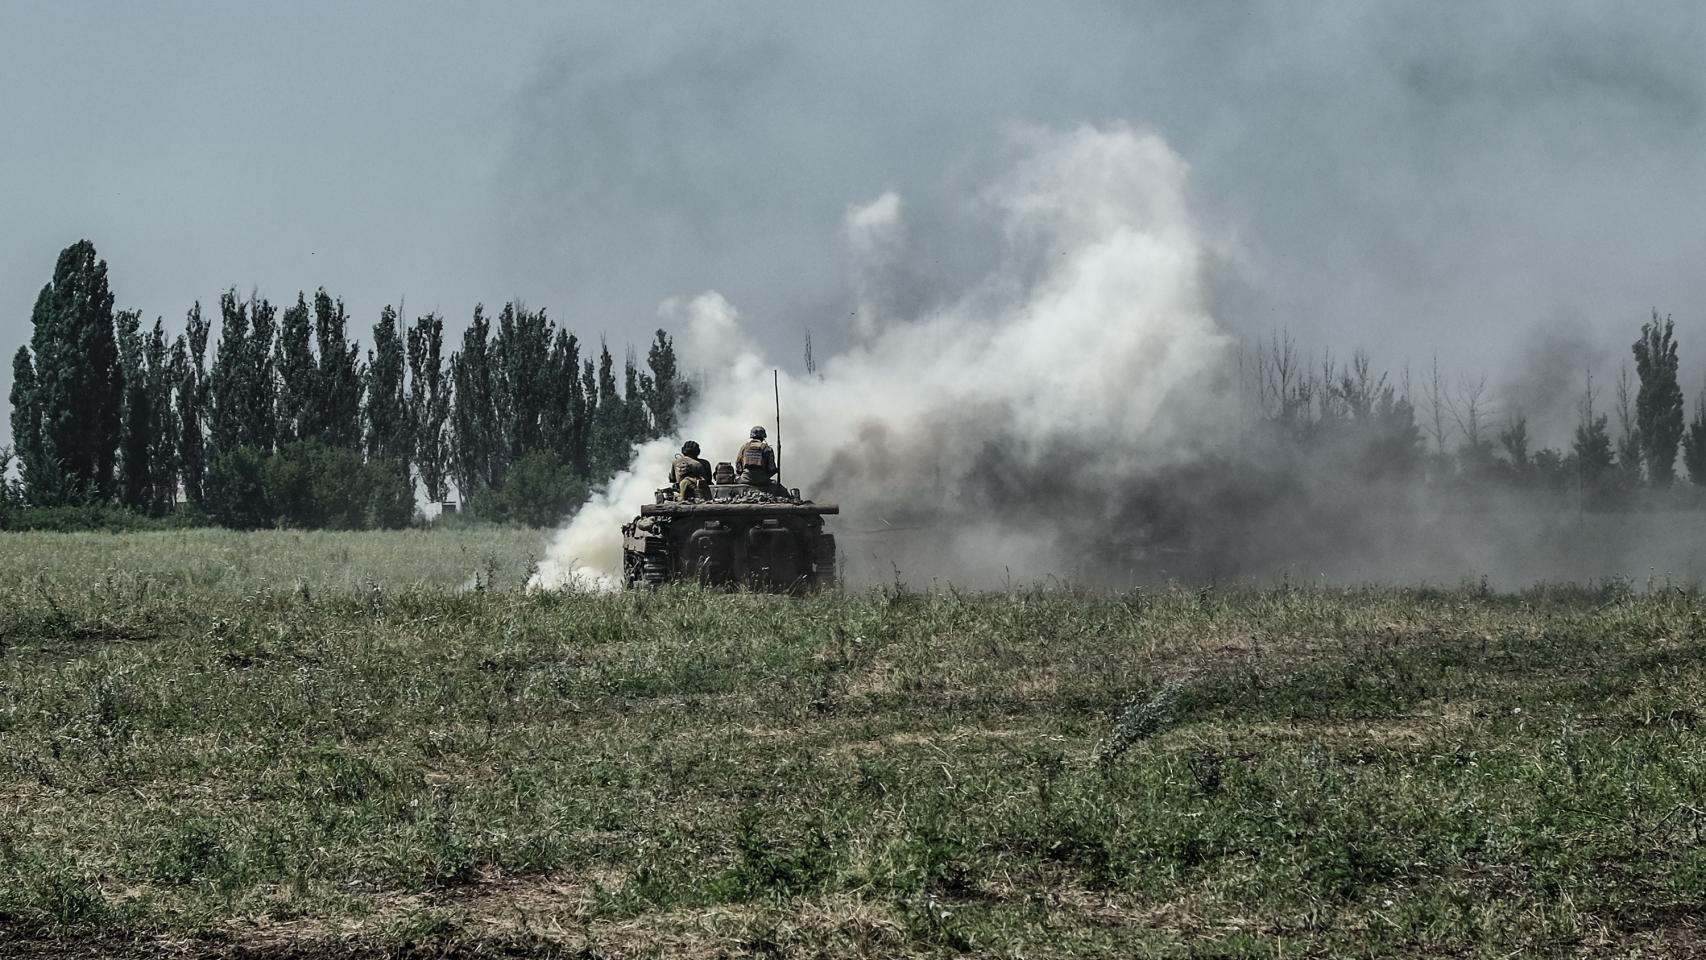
{"x": 191, "y": 564}
{"x": 281, "y": 745}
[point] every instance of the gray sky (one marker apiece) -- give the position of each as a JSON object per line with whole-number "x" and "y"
{"x": 1409, "y": 178}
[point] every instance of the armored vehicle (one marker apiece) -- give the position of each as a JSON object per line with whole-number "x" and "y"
{"x": 763, "y": 538}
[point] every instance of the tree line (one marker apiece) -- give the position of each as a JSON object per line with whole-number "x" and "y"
{"x": 1348, "y": 420}
{"x": 284, "y": 421}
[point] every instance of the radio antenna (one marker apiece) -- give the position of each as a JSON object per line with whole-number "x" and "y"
{"x": 776, "y": 385}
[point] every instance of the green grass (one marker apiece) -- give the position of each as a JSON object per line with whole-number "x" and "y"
{"x": 288, "y": 755}
{"x": 190, "y": 563}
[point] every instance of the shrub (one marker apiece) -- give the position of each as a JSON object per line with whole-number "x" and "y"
{"x": 105, "y": 518}
{"x": 538, "y": 492}
{"x": 317, "y": 487}
{"x": 237, "y": 490}
{"x": 310, "y": 486}
{"x": 391, "y": 495}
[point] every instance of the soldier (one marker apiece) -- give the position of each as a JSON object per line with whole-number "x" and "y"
{"x": 756, "y": 461}
{"x": 690, "y": 475}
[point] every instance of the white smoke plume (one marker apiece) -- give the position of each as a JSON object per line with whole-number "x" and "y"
{"x": 876, "y": 245}
{"x": 1082, "y": 355}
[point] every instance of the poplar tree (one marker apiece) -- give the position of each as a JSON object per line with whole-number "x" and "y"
{"x": 159, "y": 373}
{"x": 609, "y": 421}
{"x": 1694, "y": 441}
{"x": 260, "y": 409}
{"x": 334, "y": 412}
{"x": 241, "y": 386}
{"x": 75, "y": 397}
{"x": 475, "y": 437}
{"x": 637, "y": 425}
{"x": 1592, "y": 447}
{"x": 227, "y": 378}
{"x": 589, "y": 403}
{"x": 521, "y": 354}
{"x": 136, "y": 480}
{"x": 42, "y": 477}
{"x": 666, "y": 394}
{"x": 189, "y": 366}
{"x": 387, "y": 409}
{"x": 8, "y": 490}
{"x": 1658, "y": 404}
{"x": 297, "y": 373}
{"x": 567, "y": 417}
{"x": 429, "y": 405}
{"x": 1629, "y": 445}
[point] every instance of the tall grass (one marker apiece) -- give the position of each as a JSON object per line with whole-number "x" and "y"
{"x": 255, "y": 758}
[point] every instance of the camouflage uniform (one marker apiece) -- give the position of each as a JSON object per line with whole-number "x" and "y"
{"x": 756, "y": 462}
{"x": 691, "y": 476}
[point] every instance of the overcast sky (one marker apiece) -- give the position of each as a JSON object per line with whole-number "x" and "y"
{"x": 1410, "y": 178}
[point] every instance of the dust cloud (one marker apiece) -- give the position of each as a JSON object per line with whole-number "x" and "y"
{"x": 1079, "y": 416}
{"x": 1093, "y": 335}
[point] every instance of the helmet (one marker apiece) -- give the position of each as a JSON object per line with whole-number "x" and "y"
{"x": 691, "y": 448}
{"x": 756, "y": 433}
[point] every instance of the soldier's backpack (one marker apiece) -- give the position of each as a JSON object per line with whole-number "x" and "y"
{"x": 752, "y": 458}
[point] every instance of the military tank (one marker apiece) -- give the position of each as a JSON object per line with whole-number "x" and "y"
{"x": 765, "y": 538}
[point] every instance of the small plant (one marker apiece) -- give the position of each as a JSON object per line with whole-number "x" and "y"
{"x": 64, "y": 897}
{"x": 192, "y": 852}
{"x": 770, "y": 866}
{"x": 107, "y": 718}
{"x": 1205, "y": 770}
{"x": 1140, "y": 719}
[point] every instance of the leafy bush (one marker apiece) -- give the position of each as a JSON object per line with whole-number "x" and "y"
{"x": 311, "y": 486}
{"x": 15, "y": 514}
{"x": 105, "y": 518}
{"x": 237, "y": 490}
{"x": 538, "y": 492}
{"x": 308, "y": 485}
{"x": 390, "y": 496}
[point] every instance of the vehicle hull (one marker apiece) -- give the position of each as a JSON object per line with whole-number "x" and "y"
{"x": 770, "y": 545}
